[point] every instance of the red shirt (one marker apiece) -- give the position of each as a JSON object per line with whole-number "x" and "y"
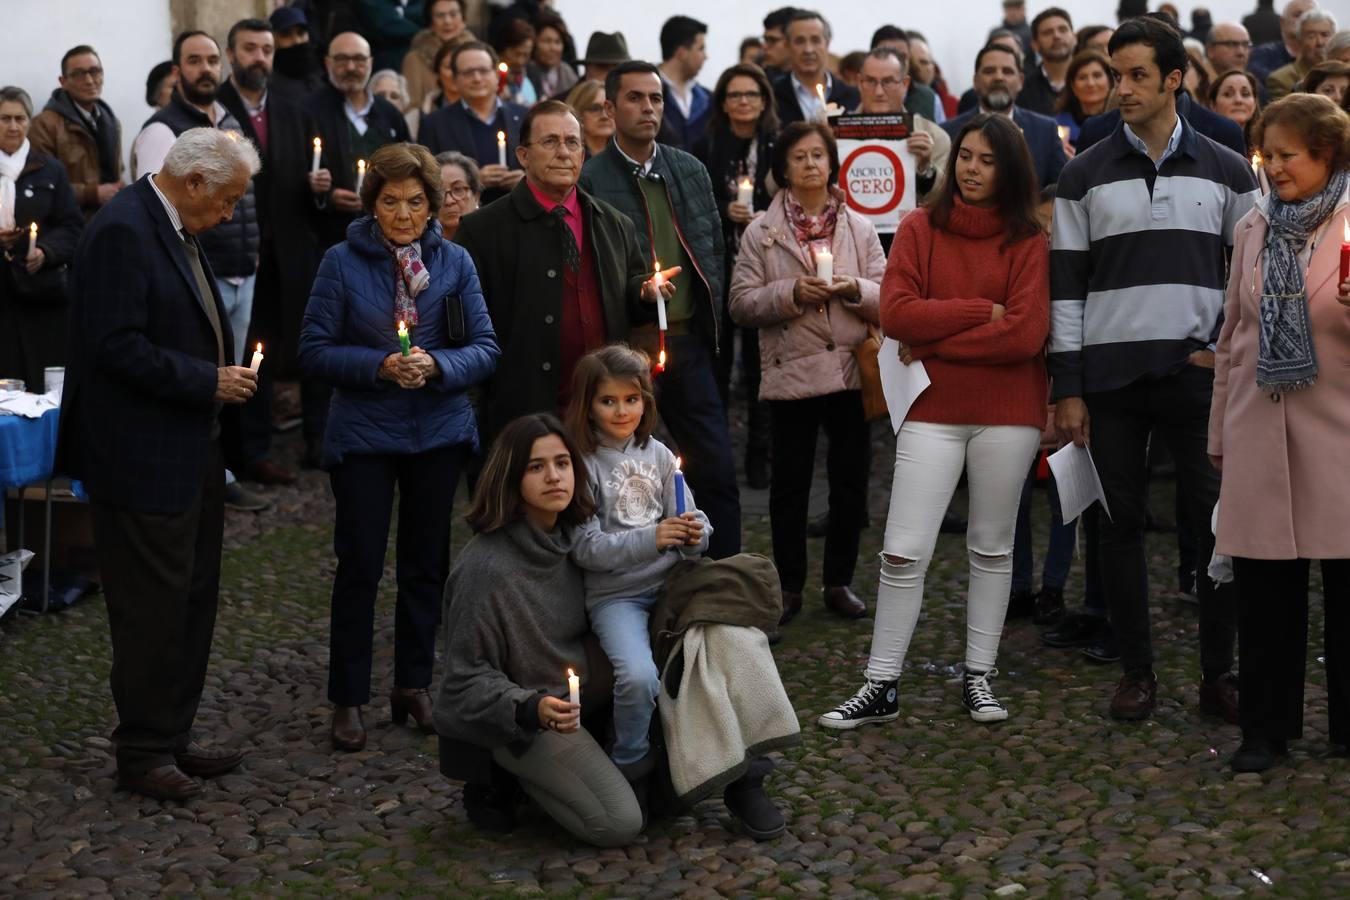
{"x": 581, "y": 325}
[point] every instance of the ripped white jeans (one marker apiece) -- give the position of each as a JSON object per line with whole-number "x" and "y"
{"x": 928, "y": 461}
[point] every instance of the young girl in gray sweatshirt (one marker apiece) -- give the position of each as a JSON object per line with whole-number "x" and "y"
{"x": 642, "y": 528}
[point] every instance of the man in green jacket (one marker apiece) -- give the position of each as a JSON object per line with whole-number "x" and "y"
{"x": 668, "y": 195}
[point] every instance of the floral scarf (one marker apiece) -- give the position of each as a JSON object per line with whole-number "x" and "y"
{"x": 410, "y": 276}
{"x": 812, "y": 232}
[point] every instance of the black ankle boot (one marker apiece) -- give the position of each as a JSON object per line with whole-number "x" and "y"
{"x": 639, "y": 778}
{"x": 490, "y": 808}
{"x": 746, "y": 800}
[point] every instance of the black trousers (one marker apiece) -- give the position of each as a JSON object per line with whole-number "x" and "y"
{"x": 1175, "y": 408}
{"x": 161, "y": 583}
{"x": 1273, "y": 631}
{"x": 363, "y": 486}
{"x": 796, "y": 423}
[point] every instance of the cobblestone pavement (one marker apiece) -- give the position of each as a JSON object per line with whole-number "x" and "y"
{"x": 1057, "y": 801}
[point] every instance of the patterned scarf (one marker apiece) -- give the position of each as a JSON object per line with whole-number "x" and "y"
{"x": 1286, "y": 360}
{"x": 410, "y": 276}
{"x": 811, "y": 231}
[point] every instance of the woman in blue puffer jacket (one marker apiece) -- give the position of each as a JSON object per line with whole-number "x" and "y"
{"x": 397, "y": 417}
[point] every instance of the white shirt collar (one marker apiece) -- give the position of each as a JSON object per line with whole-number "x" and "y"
{"x": 644, "y": 168}
{"x": 174, "y": 220}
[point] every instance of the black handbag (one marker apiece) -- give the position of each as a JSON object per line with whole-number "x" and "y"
{"x": 457, "y": 330}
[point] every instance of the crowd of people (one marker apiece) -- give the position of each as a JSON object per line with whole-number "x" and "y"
{"x": 485, "y": 256}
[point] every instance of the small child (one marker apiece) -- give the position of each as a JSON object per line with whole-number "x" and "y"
{"x": 623, "y": 550}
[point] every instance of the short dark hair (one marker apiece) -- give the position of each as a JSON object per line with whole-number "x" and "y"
{"x": 806, "y": 15}
{"x": 396, "y": 162}
{"x": 995, "y": 48}
{"x": 1052, "y": 12}
{"x": 246, "y": 25}
{"x": 1168, "y": 50}
{"x": 793, "y": 135}
{"x": 852, "y": 62}
{"x": 892, "y": 54}
{"x": 779, "y": 18}
{"x": 768, "y": 119}
{"x": 183, "y": 38}
{"x": 448, "y": 47}
{"x": 1088, "y": 32}
{"x": 543, "y": 108}
{"x": 496, "y": 499}
{"x": 615, "y": 76}
{"x": 887, "y": 33}
{"x": 1015, "y": 184}
{"x": 156, "y": 77}
{"x": 512, "y": 32}
{"x": 751, "y": 41}
{"x": 466, "y": 47}
{"x": 77, "y": 51}
{"x": 679, "y": 31}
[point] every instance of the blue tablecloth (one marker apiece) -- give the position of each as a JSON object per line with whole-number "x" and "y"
{"x": 27, "y": 449}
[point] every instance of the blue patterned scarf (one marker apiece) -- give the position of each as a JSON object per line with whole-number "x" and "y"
{"x": 1286, "y": 361}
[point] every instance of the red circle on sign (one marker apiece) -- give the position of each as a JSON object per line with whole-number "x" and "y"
{"x": 890, "y": 204}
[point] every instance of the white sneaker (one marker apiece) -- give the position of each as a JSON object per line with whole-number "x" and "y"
{"x": 875, "y": 702}
{"x": 977, "y": 697}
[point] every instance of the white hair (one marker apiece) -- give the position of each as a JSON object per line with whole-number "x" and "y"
{"x": 215, "y": 155}
{"x": 1312, "y": 16}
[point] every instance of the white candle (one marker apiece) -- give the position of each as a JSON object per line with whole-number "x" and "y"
{"x": 573, "y": 688}
{"x": 657, "y": 280}
{"x": 745, "y": 192}
{"x": 360, "y": 174}
{"x": 318, "y": 151}
{"x": 257, "y": 358}
{"x": 825, "y": 266}
{"x": 501, "y": 148}
{"x": 32, "y": 238}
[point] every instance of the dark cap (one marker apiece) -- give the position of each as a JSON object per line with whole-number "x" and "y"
{"x": 287, "y": 17}
{"x": 606, "y": 49}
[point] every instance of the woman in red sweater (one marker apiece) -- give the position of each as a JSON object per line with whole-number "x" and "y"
{"x": 967, "y": 292}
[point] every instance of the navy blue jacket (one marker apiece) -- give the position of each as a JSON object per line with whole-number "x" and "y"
{"x": 350, "y": 328}
{"x": 448, "y": 128}
{"x": 1041, "y": 132}
{"x": 686, "y": 132}
{"x": 789, "y": 110}
{"x": 1212, "y": 125}
{"x": 138, "y": 413}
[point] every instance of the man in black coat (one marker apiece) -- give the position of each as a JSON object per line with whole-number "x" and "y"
{"x": 808, "y": 39}
{"x": 287, "y": 253}
{"x": 548, "y": 306}
{"x": 151, "y": 369}
{"x": 1217, "y": 128}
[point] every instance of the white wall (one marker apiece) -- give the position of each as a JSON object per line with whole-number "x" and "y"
{"x": 130, "y": 36}
{"x": 955, "y": 28}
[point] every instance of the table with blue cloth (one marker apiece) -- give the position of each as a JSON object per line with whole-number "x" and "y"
{"x": 27, "y": 454}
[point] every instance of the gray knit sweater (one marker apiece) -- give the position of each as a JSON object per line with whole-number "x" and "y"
{"x": 634, "y": 489}
{"x": 514, "y": 624}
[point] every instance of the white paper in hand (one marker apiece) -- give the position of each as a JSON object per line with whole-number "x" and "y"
{"x": 1076, "y": 481}
{"x": 902, "y": 384}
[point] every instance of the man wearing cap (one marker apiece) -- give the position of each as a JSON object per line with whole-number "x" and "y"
{"x": 603, "y": 52}
{"x": 296, "y": 69}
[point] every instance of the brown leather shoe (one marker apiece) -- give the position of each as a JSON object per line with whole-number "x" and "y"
{"x": 792, "y": 604}
{"x": 416, "y": 701}
{"x": 264, "y": 471}
{"x": 162, "y": 783}
{"x": 843, "y": 602}
{"x": 1136, "y": 695}
{"x": 347, "y": 731}
{"x": 1219, "y": 697}
{"x": 204, "y": 762}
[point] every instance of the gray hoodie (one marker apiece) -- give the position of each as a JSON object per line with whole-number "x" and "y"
{"x": 634, "y": 490}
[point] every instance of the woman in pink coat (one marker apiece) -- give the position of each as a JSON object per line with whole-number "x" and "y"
{"x": 808, "y": 329}
{"x": 1280, "y": 424}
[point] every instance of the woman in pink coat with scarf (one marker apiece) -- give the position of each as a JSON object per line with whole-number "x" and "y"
{"x": 1280, "y": 423}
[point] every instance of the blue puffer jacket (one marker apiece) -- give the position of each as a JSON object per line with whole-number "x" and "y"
{"x": 349, "y": 329}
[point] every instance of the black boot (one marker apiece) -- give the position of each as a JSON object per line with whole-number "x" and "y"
{"x": 639, "y": 777}
{"x": 490, "y": 807}
{"x": 746, "y": 800}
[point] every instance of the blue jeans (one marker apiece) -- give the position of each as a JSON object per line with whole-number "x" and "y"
{"x": 1058, "y": 556}
{"x": 621, "y": 626}
{"x": 238, "y": 302}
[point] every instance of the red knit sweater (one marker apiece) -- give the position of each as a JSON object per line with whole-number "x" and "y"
{"x": 937, "y": 297}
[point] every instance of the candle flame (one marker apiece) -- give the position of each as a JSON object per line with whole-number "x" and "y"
{"x": 317, "y": 145}
{"x": 1063, "y": 132}
{"x": 360, "y": 165}
{"x": 501, "y": 137}
{"x": 402, "y": 327}
{"x": 503, "y": 68}
{"x": 679, "y": 463}
{"x": 661, "y": 361}
{"x": 32, "y": 229}
{"x": 259, "y": 346}
{"x": 1256, "y": 160}
{"x": 656, "y": 267}
{"x": 820, "y": 92}
{"x": 571, "y": 674}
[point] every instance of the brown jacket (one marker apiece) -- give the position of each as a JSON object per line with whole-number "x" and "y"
{"x": 68, "y": 141}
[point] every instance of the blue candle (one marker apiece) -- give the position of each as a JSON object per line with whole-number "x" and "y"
{"x": 679, "y": 489}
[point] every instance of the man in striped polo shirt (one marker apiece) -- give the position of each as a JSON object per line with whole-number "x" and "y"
{"x": 1143, "y": 229}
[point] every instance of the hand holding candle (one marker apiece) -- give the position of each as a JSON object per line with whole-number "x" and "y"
{"x": 501, "y": 148}
{"x": 318, "y": 151}
{"x": 257, "y": 358}
{"x": 403, "y": 339}
{"x": 360, "y": 174}
{"x": 573, "y": 688}
{"x": 658, "y": 279}
{"x": 32, "y": 239}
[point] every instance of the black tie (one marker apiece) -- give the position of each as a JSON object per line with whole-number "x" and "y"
{"x": 571, "y": 255}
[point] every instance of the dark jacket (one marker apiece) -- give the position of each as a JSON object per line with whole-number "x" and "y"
{"x": 33, "y": 326}
{"x": 1037, "y": 94}
{"x": 611, "y": 177}
{"x": 1268, "y": 57}
{"x": 723, "y": 154}
{"x": 924, "y": 101}
{"x": 1217, "y": 128}
{"x": 518, "y": 252}
{"x": 789, "y": 110}
{"x": 687, "y": 132}
{"x": 233, "y": 246}
{"x": 138, "y": 412}
{"x": 350, "y": 328}
{"x": 326, "y": 106}
{"x": 289, "y": 255}
{"x": 390, "y": 29}
{"x": 1263, "y": 25}
{"x": 90, "y": 157}
{"x": 1041, "y": 132}
{"x": 448, "y": 128}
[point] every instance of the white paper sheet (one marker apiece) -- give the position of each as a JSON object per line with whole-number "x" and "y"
{"x": 30, "y": 406}
{"x": 1076, "y": 481}
{"x": 902, "y": 384}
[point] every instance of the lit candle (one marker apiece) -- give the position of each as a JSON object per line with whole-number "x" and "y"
{"x": 32, "y": 238}
{"x": 503, "y": 76}
{"x": 679, "y": 488}
{"x": 825, "y": 266}
{"x": 403, "y": 338}
{"x": 257, "y": 358}
{"x": 745, "y": 192}
{"x": 820, "y": 92}
{"x": 360, "y": 174}
{"x": 1345, "y": 254}
{"x": 318, "y": 151}
{"x": 573, "y": 688}
{"x": 1256, "y": 163}
{"x": 659, "y": 279}
{"x": 1063, "y": 133}
{"x": 661, "y": 353}
{"x": 501, "y": 148}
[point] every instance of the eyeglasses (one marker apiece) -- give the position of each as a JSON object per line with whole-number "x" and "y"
{"x": 552, "y": 142}
{"x": 1236, "y": 45}
{"x": 744, "y": 96}
{"x": 459, "y": 192}
{"x": 93, "y": 72}
{"x": 870, "y": 84}
{"x": 344, "y": 60}
{"x": 481, "y": 72}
